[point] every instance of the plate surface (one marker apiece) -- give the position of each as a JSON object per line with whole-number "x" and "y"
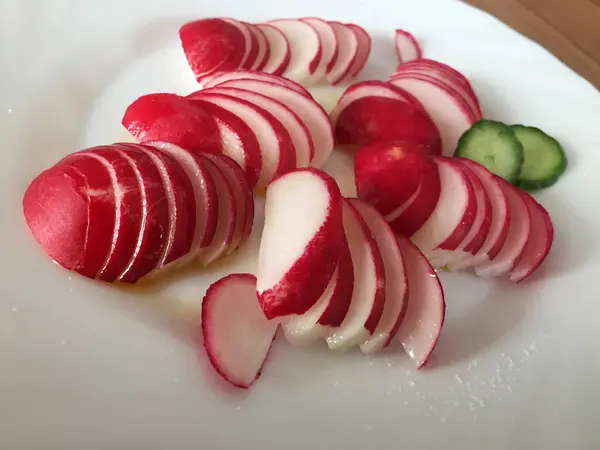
{"x": 85, "y": 366}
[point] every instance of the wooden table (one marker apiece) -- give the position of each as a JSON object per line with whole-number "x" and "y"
{"x": 568, "y": 28}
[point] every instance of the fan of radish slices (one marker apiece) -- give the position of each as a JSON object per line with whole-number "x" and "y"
{"x": 438, "y": 187}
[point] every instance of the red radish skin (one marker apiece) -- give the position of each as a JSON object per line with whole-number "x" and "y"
{"x": 222, "y": 77}
{"x": 211, "y": 45}
{"x": 238, "y": 141}
{"x": 387, "y": 175}
{"x": 363, "y": 48}
{"x": 279, "y": 50}
{"x": 171, "y": 118}
{"x": 420, "y": 330}
{"x": 539, "y": 242}
{"x": 368, "y": 296}
{"x": 516, "y": 239}
{"x": 329, "y": 44}
{"x": 407, "y": 47}
{"x": 299, "y": 134}
{"x": 347, "y": 53}
{"x": 396, "y": 292}
{"x": 375, "y": 119}
{"x": 310, "y": 112}
{"x": 264, "y": 51}
{"x": 72, "y": 215}
{"x": 293, "y": 273}
{"x": 237, "y": 337}
{"x": 370, "y": 88}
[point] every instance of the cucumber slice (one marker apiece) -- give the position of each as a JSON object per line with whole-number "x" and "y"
{"x": 544, "y": 158}
{"x": 495, "y": 146}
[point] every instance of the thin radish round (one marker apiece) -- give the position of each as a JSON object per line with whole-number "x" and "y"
{"x": 329, "y": 47}
{"x": 363, "y": 48}
{"x": 279, "y": 50}
{"x": 222, "y": 77}
{"x": 247, "y": 61}
{"x": 263, "y": 52}
{"x": 347, "y": 53}
{"x": 407, "y": 47}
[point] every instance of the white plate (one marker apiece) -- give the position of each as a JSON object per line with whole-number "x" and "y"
{"x": 84, "y": 366}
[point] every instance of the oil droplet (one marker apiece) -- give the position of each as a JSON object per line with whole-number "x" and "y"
{"x": 335, "y": 382}
{"x": 412, "y": 384}
{"x": 14, "y": 309}
{"x": 10, "y": 111}
{"x": 63, "y": 342}
{"x": 239, "y": 408}
{"x": 458, "y": 378}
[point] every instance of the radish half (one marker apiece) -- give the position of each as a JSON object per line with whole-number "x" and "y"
{"x": 420, "y": 330}
{"x": 407, "y": 47}
{"x": 301, "y": 241}
{"x": 347, "y": 53}
{"x": 237, "y": 336}
{"x": 279, "y": 50}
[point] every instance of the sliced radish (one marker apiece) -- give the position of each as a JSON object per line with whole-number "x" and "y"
{"x": 227, "y": 214}
{"x": 237, "y": 337}
{"x": 516, "y": 239}
{"x": 279, "y": 50}
{"x": 305, "y": 48}
{"x": 329, "y": 47}
{"x": 222, "y": 77}
{"x": 422, "y": 324}
{"x": 396, "y": 292}
{"x": 500, "y": 218}
{"x": 293, "y": 273}
{"x": 363, "y": 48}
{"x": 407, "y": 47}
{"x": 247, "y": 61}
{"x": 539, "y": 242}
{"x": 448, "y": 111}
{"x": 171, "y": 118}
{"x": 274, "y": 141}
{"x": 370, "y": 88}
{"x": 347, "y": 53}
{"x": 331, "y": 308}
{"x": 454, "y": 213}
{"x": 211, "y": 45}
{"x": 299, "y": 134}
{"x": 368, "y": 296}
{"x": 263, "y": 52}
{"x": 310, "y": 112}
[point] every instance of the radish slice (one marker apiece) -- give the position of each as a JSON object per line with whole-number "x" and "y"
{"x": 245, "y": 31}
{"x": 407, "y": 47}
{"x": 310, "y": 112}
{"x": 363, "y": 48}
{"x": 237, "y": 337}
{"x": 454, "y": 213}
{"x": 305, "y": 48}
{"x": 422, "y": 324}
{"x": 293, "y": 273}
{"x": 347, "y": 53}
{"x": 371, "y": 88}
{"x": 253, "y": 54}
{"x": 301, "y": 140}
{"x": 368, "y": 296}
{"x": 539, "y": 242}
{"x": 263, "y": 52}
{"x": 222, "y": 77}
{"x": 279, "y": 50}
{"x": 329, "y": 47}
{"x": 446, "y": 109}
{"x": 396, "y": 292}
{"x": 518, "y": 234}
{"x": 227, "y": 214}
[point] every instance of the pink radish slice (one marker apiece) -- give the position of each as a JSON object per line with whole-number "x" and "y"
{"x": 396, "y": 292}
{"x": 154, "y": 219}
{"x": 305, "y": 49}
{"x": 454, "y": 213}
{"x": 347, "y": 53}
{"x": 518, "y": 234}
{"x": 237, "y": 337}
{"x": 211, "y": 45}
{"x": 539, "y": 242}
{"x": 422, "y": 324}
{"x": 222, "y": 77}
{"x": 363, "y": 48}
{"x": 368, "y": 296}
{"x": 245, "y": 31}
{"x": 371, "y": 88}
{"x": 227, "y": 214}
{"x": 279, "y": 50}
{"x": 293, "y": 273}
{"x": 70, "y": 212}
{"x": 331, "y": 308}
{"x": 446, "y": 109}
{"x": 407, "y": 47}
{"x": 310, "y": 112}
{"x": 329, "y": 43}
{"x": 205, "y": 194}
{"x": 500, "y": 218}
{"x": 238, "y": 141}
{"x": 274, "y": 141}
{"x": 242, "y": 196}
{"x": 263, "y": 52}
{"x": 301, "y": 140}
